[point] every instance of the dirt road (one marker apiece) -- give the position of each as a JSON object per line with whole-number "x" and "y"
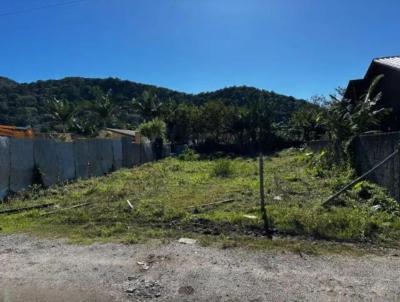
{"x": 48, "y": 270}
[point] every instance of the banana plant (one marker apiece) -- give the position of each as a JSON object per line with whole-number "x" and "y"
{"x": 62, "y": 112}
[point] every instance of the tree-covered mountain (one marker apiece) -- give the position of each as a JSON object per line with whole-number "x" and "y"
{"x": 24, "y": 104}
{"x": 281, "y": 106}
{"x": 6, "y": 82}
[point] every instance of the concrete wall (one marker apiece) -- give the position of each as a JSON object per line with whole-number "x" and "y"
{"x": 46, "y": 160}
{"x": 22, "y": 164}
{"x": 369, "y": 150}
{"x": 117, "y": 154}
{"x": 54, "y": 162}
{"x": 81, "y": 160}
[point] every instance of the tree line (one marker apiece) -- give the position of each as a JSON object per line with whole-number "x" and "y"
{"x": 237, "y": 116}
{"x": 242, "y": 119}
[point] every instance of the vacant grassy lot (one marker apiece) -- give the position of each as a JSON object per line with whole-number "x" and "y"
{"x": 167, "y": 199}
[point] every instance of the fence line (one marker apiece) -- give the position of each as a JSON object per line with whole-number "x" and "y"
{"x": 57, "y": 162}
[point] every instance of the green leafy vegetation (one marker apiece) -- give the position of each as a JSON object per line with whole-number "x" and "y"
{"x": 223, "y": 168}
{"x": 238, "y": 118}
{"x": 189, "y": 155}
{"x": 172, "y": 198}
{"x": 154, "y": 129}
{"x": 339, "y": 119}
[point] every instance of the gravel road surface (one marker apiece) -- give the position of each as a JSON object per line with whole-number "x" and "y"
{"x": 34, "y": 269}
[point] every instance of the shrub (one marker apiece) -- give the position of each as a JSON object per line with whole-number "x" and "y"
{"x": 189, "y": 155}
{"x": 223, "y": 168}
{"x": 154, "y": 129}
{"x": 375, "y": 197}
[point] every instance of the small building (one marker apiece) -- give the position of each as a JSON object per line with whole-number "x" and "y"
{"x": 389, "y": 86}
{"x": 13, "y": 131}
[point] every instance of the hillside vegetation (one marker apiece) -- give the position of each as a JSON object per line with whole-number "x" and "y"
{"x": 168, "y": 199}
{"x": 27, "y": 103}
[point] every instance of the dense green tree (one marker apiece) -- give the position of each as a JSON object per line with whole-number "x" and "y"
{"x": 216, "y": 120}
{"x": 309, "y": 123}
{"x": 259, "y": 123}
{"x": 105, "y": 110}
{"x": 182, "y": 122}
{"x": 148, "y": 105}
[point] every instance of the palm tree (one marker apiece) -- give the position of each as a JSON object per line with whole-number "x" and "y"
{"x": 62, "y": 112}
{"x": 148, "y": 105}
{"x": 105, "y": 109}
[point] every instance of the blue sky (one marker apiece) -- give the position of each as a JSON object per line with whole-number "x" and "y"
{"x": 295, "y": 47}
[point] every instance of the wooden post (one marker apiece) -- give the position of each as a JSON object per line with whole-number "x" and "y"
{"x": 262, "y": 196}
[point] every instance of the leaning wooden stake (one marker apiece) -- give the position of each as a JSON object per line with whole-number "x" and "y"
{"x": 211, "y": 204}
{"x": 41, "y": 206}
{"x": 348, "y": 186}
{"x": 70, "y": 208}
{"x": 262, "y": 196}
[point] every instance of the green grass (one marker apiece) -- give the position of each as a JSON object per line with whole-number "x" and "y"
{"x": 167, "y": 198}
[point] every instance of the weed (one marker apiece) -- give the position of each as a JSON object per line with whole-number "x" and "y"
{"x": 223, "y": 168}
{"x": 189, "y": 155}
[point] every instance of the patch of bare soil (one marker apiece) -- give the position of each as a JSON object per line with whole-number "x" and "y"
{"x": 50, "y": 270}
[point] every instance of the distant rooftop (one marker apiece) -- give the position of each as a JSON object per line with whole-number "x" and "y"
{"x": 390, "y": 61}
{"x": 123, "y": 132}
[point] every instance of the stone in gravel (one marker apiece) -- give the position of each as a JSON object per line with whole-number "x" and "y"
{"x": 143, "y": 265}
{"x": 186, "y": 290}
{"x": 187, "y": 241}
{"x": 130, "y": 290}
{"x": 144, "y": 289}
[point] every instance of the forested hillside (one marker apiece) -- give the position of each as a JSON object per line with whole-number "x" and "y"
{"x": 281, "y": 106}
{"x": 27, "y": 104}
{"x": 238, "y": 116}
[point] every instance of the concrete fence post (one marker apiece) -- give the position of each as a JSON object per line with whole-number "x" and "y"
{"x": 22, "y": 164}
{"x": 5, "y": 166}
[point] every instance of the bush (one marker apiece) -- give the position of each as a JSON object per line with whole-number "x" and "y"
{"x": 189, "y": 155}
{"x": 325, "y": 165}
{"x": 223, "y": 168}
{"x": 154, "y": 129}
{"x": 375, "y": 197}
